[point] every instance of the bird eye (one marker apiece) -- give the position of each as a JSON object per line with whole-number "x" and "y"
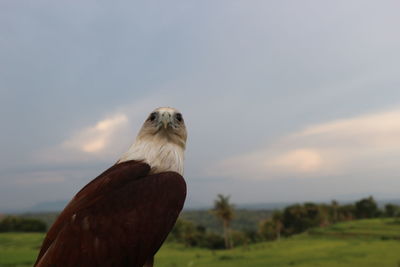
{"x": 152, "y": 116}
{"x": 179, "y": 116}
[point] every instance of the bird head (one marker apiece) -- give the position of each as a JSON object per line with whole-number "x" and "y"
{"x": 164, "y": 123}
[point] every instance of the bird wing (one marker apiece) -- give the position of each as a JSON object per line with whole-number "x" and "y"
{"x": 121, "y": 218}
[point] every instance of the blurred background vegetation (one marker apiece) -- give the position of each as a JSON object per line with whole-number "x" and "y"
{"x": 234, "y": 232}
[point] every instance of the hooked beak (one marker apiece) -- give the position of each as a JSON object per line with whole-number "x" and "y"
{"x": 166, "y": 119}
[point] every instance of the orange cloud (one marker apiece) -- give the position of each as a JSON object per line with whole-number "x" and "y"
{"x": 96, "y": 138}
{"x": 301, "y": 160}
{"x": 360, "y": 144}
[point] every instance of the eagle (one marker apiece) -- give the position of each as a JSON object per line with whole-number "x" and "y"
{"x": 122, "y": 217}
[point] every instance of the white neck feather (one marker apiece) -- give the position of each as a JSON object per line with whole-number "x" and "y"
{"x": 161, "y": 155}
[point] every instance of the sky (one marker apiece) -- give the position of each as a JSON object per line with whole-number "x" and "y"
{"x": 283, "y": 100}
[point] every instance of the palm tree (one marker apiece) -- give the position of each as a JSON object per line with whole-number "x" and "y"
{"x": 335, "y": 206}
{"x": 224, "y": 211}
{"x": 277, "y": 218}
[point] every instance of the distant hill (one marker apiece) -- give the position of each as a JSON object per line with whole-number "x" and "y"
{"x": 244, "y": 219}
{"x": 264, "y": 206}
{"x": 281, "y": 205}
{"x": 57, "y": 206}
{"x": 49, "y": 206}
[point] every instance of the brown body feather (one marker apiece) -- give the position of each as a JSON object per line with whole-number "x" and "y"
{"x": 121, "y": 218}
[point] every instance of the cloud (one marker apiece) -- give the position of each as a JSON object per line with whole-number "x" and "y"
{"x": 301, "y": 160}
{"x": 363, "y": 144}
{"x": 99, "y": 141}
{"x": 106, "y": 138}
{"x": 97, "y": 138}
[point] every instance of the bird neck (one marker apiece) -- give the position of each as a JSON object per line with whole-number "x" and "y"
{"x": 160, "y": 154}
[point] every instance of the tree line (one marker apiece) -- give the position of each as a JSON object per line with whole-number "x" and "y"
{"x": 18, "y": 224}
{"x": 192, "y": 234}
{"x": 254, "y": 226}
{"x": 291, "y": 220}
{"x": 298, "y": 218}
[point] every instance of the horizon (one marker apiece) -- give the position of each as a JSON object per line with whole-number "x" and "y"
{"x": 58, "y": 205}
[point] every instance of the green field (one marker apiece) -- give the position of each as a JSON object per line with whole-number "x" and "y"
{"x": 19, "y": 249}
{"x": 374, "y": 242}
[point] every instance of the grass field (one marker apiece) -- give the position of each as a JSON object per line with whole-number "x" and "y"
{"x": 374, "y": 242}
{"x": 19, "y": 249}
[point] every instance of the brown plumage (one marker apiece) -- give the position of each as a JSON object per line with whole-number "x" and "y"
{"x": 122, "y": 217}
